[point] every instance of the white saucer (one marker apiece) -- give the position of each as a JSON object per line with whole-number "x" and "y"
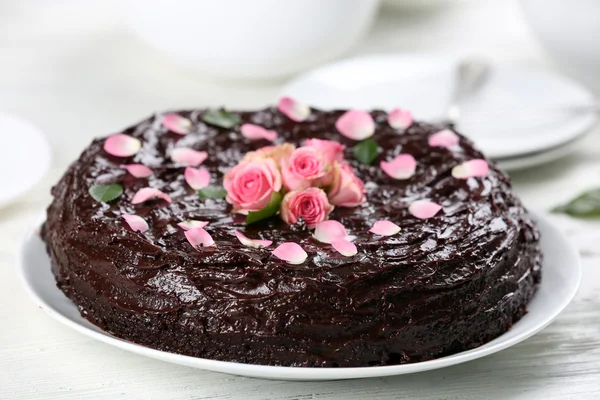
{"x": 561, "y": 276}
{"x": 25, "y": 159}
{"x": 496, "y": 118}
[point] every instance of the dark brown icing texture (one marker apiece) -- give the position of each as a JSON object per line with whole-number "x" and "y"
{"x": 442, "y": 285}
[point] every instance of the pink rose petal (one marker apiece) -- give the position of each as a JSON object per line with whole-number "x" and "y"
{"x": 187, "y": 156}
{"x": 356, "y": 125}
{"x": 199, "y": 237}
{"x": 256, "y": 243}
{"x": 444, "y": 138}
{"x": 401, "y": 167}
{"x": 293, "y": 110}
{"x": 400, "y": 119}
{"x": 344, "y": 247}
{"x": 192, "y": 224}
{"x": 424, "y": 209}
{"x": 137, "y": 170}
{"x": 330, "y": 230}
{"x": 291, "y": 253}
{"x": 197, "y": 178}
{"x": 257, "y": 132}
{"x": 120, "y": 145}
{"x": 146, "y": 194}
{"x": 176, "y": 123}
{"x": 385, "y": 228}
{"x": 136, "y": 223}
{"x": 471, "y": 169}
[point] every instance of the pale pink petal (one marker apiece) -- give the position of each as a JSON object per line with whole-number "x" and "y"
{"x": 384, "y": 228}
{"x": 146, "y": 194}
{"x": 192, "y": 224}
{"x": 444, "y": 138}
{"x": 330, "y": 230}
{"x": 137, "y": 170}
{"x": 256, "y": 132}
{"x": 424, "y": 209}
{"x": 176, "y": 123}
{"x": 470, "y": 169}
{"x": 136, "y": 223}
{"x": 400, "y": 119}
{"x": 199, "y": 237}
{"x": 356, "y": 124}
{"x": 290, "y": 252}
{"x": 401, "y": 167}
{"x": 197, "y": 178}
{"x": 256, "y": 243}
{"x": 293, "y": 110}
{"x": 344, "y": 247}
{"x": 122, "y": 145}
{"x": 187, "y": 156}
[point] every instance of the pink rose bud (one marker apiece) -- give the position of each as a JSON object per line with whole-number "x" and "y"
{"x": 331, "y": 151}
{"x": 277, "y": 153}
{"x": 250, "y": 184}
{"x": 347, "y": 190}
{"x": 302, "y": 167}
{"x": 311, "y": 204}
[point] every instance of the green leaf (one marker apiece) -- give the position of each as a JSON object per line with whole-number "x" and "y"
{"x": 268, "y": 211}
{"x": 106, "y": 193}
{"x": 366, "y": 151}
{"x": 221, "y": 118}
{"x": 587, "y": 205}
{"x": 212, "y": 192}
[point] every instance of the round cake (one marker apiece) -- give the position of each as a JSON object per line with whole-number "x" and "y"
{"x": 436, "y": 260}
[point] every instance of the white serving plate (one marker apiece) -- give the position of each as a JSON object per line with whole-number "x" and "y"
{"x": 561, "y": 277}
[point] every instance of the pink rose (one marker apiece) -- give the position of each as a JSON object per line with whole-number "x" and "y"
{"x": 277, "y": 153}
{"x": 311, "y": 204}
{"x": 331, "y": 151}
{"x": 303, "y": 166}
{"x": 347, "y": 190}
{"x": 250, "y": 184}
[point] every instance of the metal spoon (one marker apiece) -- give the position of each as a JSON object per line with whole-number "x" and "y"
{"x": 471, "y": 74}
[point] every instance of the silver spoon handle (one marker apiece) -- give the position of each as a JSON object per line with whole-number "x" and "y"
{"x": 470, "y": 76}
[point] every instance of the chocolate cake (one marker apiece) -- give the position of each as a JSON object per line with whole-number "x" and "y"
{"x": 441, "y": 285}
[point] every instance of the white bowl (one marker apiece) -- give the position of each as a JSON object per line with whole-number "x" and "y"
{"x": 251, "y": 39}
{"x": 570, "y": 30}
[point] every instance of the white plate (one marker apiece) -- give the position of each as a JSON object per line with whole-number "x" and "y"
{"x": 25, "y": 159}
{"x": 503, "y": 118}
{"x": 561, "y": 276}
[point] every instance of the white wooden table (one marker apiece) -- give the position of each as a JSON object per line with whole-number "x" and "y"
{"x": 71, "y": 67}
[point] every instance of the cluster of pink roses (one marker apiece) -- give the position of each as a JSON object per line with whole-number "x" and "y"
{"x": 312, "y": 179}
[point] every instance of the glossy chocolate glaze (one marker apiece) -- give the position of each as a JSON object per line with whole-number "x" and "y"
{"x": 440, "y": 286}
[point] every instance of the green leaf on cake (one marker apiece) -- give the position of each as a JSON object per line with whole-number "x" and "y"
{"x": 106, "y": 193}
{"x": 587, "y": 205}
{"x": 212, "y": 192}
{"x": 221, "y": 118}
{"x": 366, "y": 151}
{"x": 269, "y": 210}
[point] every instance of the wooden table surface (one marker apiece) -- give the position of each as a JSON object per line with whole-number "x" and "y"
{"x": 72, "y": 68}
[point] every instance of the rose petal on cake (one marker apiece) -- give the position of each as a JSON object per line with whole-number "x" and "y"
{"x": 137, "y": 170}
{"x": 176, "y": 123}
{"x": 294, "y": 110}
{"x": 329, "y": 230}
{"x": 120, "y": 145}
{"x": 444, "y": 138}
{"x": 256, "y": 243}
{"x": 344, "y": 247}
{"x": 257, "y": 132}
{"x": 199, "y": 237}
{"x": 385, "y": 228}
{"x": 146, "y": 194}
{"x": 471, "y": 169}
{"x": 187, "y": 156}
{"x": 400, "y": 119}
{"x": 197, "y": 178}
{"x": 192, "y": 224}
{"x": 401, "y": 167}
{"x": 356, "y": 125}
{"x": 424, "y": 209}
{"x": 291, "y": 253}
{"x": 136, "y": 223}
